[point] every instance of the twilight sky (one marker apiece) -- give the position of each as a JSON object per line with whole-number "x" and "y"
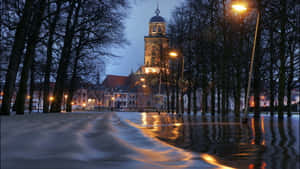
{"x": 136, "y": 28}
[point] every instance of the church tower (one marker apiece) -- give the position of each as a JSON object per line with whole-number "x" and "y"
{"x": 156, "y": 43}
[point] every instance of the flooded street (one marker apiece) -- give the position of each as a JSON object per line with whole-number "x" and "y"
{"x": 132, "y": 140}
{"x": 225, "y": 142}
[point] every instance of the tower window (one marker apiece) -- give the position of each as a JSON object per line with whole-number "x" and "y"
{"x": 154, "y": 28}
{"x": 159, "y": 29}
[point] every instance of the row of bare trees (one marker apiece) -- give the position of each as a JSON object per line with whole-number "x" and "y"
{"x": 61, "y": 41}
{"x": 217, "y": 42}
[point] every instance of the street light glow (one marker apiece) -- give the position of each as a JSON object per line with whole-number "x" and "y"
{"x": 239, "y": 7}
{"x": 144, "y": 86}
{"x": 149, "y": 70}
{"x": 142, "y": 79}
{"x": 51, "y": 98}
{"x": 173, "y": 54}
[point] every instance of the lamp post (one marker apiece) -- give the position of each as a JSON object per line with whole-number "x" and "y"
{"x": 65, "y": 102}
{"x": 51, "y": 99}
{"x": 239, "y": 7}
{"x": 113, "y": 102}
{"x": 175, "y": 54}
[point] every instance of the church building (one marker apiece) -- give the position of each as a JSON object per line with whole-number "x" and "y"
{"x": 156, "y": 44}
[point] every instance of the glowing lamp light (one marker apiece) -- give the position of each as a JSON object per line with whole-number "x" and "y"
{"x": 149, "y": 70}
{"x": 72, "y": 103}
{"x": 144, "y": 86}
{"x": 178, "y": 124}
{"x": 239, "y": 7}
{"x": 113, "y": 98}
{"x": 28, "y": 97}
{"x": 83, "y": 104}
{"x": 66, "y": 96}
{"x": 173, "y": 54}
{"x": 212, "y": 160}
{"x": 142, "y": 79}
{"x": 51, "y": 98}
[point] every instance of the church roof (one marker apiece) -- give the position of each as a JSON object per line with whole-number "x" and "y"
{"x": 157, "y": 18}
{"x": 113, "y": 81}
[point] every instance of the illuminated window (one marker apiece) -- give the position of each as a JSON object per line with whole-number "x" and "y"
{"x": 159, "y": 29}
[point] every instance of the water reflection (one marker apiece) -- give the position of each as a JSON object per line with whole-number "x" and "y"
{"x": 265, "y": 143}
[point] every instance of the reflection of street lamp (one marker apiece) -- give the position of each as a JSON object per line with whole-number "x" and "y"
{"x": 239, "y": 7}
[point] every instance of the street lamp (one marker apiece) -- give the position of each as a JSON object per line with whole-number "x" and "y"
{"x": 51, "y": 98}
{"x": 65, "y": 101}
{"x": 175, "y": 54}
{"x": 240, "y": 7}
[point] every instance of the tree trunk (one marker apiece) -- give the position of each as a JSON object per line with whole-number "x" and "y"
{"x": 219, "y": 100}
{"x": 29, "y": 56}
{"x": 15, "y": 57}
{"x": 173, "y": 100}
{"x": 282, "y": 71}
{"x": 177, "y": 97}
{"x": 195, "y": 100}
{"x": 72, "y": 87}
{"x": 290, "y": 83}
{"x": 168, "y": 96}
{"x": 65, "y": 59}
{"x": 177, "y": 87}
{"x": 189, "y": 95}
{"x": 32, "y": 87}
{"x": 182, "y": 101}
{"x": 213, "y": 95}
{"x": 257, "y": 72}
{"x": 74, "y": 73}
{"x": 237, "y": 99}
{"x": 271, "y": 72}
{"x": 50, "y": 43}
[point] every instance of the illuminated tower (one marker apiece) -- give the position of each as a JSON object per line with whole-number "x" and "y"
{"x": 156, "y": 43}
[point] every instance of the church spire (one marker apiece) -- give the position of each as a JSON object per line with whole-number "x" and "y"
{"x": 157, "y": 10}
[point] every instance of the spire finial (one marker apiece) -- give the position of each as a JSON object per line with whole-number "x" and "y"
{"x": 157, "y": 9}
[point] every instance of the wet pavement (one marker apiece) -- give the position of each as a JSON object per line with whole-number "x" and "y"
{"x": 266, "y": 143}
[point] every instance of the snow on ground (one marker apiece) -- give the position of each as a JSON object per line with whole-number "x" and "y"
{"x": 86, "y": 141}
